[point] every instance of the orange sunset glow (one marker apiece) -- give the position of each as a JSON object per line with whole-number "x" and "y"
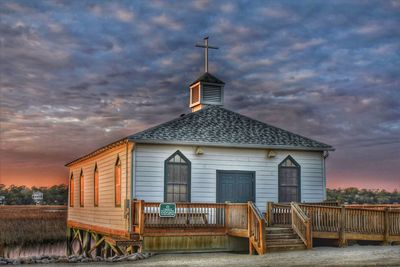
{"x": 77, "y": 76}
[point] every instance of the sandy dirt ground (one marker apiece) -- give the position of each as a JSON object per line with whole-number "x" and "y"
{"x": 320, "y": 256}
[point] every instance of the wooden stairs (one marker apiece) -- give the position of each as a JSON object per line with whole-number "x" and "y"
{"x": 282, "y": 238}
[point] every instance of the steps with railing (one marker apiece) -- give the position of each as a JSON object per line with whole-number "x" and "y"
{"x": 280, "y": 238}
{"x": 289, "y": 228}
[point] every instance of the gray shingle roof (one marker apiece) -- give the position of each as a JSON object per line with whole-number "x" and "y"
{"x": 208, "y": 78}
{"x": 215, "y": 125}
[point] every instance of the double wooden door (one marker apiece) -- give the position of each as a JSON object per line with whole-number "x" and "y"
{"x": 235, "y": 186}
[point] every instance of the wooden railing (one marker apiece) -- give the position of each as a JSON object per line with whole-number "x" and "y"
{"x": 352, "y": 223}
{"x": 372, "y": 206}
{"x": 256, "y": 229}
{"x": 392, "y": 226}
{"x": 191, "y": 215}
{"x": 323, "y": 218}
{"x": 365, "y": 221}
{"x": 301, "y": 224}
{"x": 188, "y": 215}
{"x": 326, "y": 203}
{"x": 278, "y": 214}
{"x": 235, "y": 219}
{"x": 245, "y": 220}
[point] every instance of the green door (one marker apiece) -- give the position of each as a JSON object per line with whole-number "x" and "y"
{"x": 236, "y": 186}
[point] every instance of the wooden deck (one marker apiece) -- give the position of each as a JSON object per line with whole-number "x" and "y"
{"x": 224, "y": 226}
{"x": 308, "y": 221}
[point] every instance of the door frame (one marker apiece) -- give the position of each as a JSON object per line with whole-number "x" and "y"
{"x": 218, "y": 178}
{"x": 298, "y": 167}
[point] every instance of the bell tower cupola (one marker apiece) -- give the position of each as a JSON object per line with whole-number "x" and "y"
{"x": 207, "y": 89}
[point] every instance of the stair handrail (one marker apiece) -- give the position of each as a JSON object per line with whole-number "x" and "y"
{"x": 256, "y": 229}
{"x": 301, "y": 224}
{"x": 278, "y": 213}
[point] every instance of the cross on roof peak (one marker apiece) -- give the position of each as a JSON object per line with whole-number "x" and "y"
{"x": 206, "y": 47}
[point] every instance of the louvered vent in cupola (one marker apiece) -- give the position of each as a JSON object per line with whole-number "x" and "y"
{"x": 212, "y": 94}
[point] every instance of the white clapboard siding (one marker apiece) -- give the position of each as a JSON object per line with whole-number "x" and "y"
{"x": 149, "y": 171}
{"x": 106, "y": 214}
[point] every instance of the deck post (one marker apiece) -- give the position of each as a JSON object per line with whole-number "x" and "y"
{"x": 226, "y": 217}
{"x": 104, "y": 251}
{"x": 141, "y": 217}
{"x": 80, "y": 238}
{"x": 263, "y": 236}
{"x": 342, "y": 234}
{"x": 386, "y": 227}
{"x": 309, "y": 234}
{"x": 69, "y": 241}
{"x": 248, "y": 221}
{"x": 98, "y": 248}
{"x": 269, "y": 213}
{"x": 86, "y": 243}
{"x": 251, "y": 248}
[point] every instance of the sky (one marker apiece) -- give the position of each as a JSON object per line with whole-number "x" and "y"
{"x": 76, "y": 75}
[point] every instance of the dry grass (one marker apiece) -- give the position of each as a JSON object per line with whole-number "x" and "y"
{"x": 22, "y": 225}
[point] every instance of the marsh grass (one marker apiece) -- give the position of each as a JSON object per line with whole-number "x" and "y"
{"x": 25, "y": 225}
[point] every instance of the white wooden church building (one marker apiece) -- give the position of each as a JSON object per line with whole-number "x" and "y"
{"x": 211, "y": 155}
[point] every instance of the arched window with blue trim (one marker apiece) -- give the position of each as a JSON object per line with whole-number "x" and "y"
{"x": 289, "y": 180}
{"x": 177, "y": 178}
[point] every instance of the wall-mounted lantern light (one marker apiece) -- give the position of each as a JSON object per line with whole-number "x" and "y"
{"x": 271, "y": 154}
{"x": 199, "y": 151}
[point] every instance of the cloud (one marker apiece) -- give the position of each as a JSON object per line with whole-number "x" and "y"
{"x": 307, "y": 44}
{"x": 85, "y": 73}
{"x": 167, "y": 22}
{"x": 276, "y": 12}
{"x": 201, "y": 4}
{"x": 369, "y": 29}
{"x": 228, "y": 7}
{"x": 299, "y": 75}
{"x": 395, "y": 3}
{"x": 124, "y": 15}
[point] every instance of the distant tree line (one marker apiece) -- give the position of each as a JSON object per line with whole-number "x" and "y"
{"x": 354, "y": 195}
{"x": 22, "y": 195}
{"x": 58, "y": 195}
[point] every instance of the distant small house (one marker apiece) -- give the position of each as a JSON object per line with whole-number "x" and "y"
{"x": 37, "y": 197}
{"x": 2, "y": 200}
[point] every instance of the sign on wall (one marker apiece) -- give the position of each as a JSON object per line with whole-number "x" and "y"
{"x": 167, "y": 210}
